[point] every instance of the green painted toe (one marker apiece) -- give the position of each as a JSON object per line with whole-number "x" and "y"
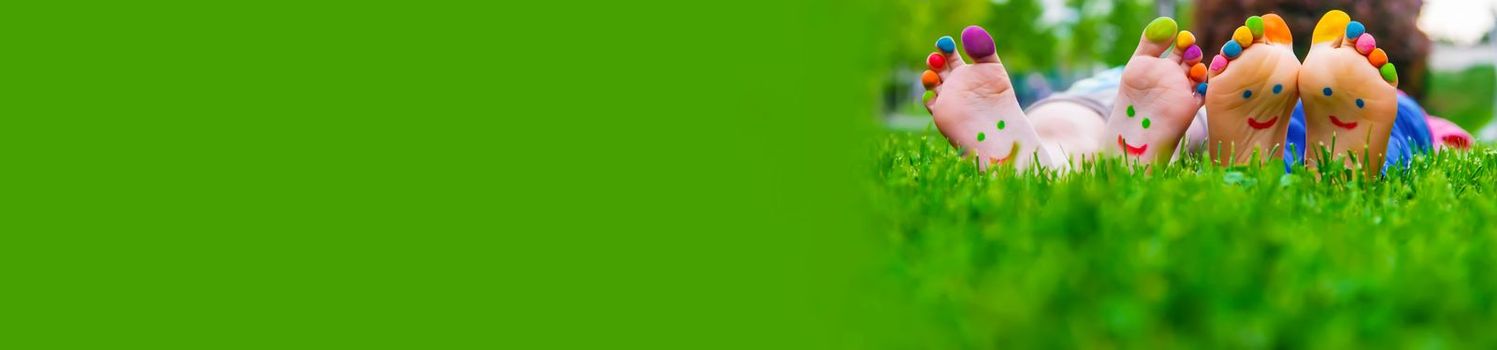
{"x": 1390, "y": 74}
{"x": 1161, "y": 29}
{"x": 1255, "y": 24}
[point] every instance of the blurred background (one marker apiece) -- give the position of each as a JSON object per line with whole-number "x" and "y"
{"x": 1444, "y": 48}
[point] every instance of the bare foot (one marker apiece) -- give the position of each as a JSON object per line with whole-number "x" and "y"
{"x": 975, "y": 108}
{"x": 1158, "y": 97}
{"x": 1350, "y": 95}
{"x": 1254, "y": 87}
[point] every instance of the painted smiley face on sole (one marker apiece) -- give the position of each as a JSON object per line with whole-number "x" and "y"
{"x": 1136, "y": 151}
{"x": 1350, "y": 93}
{"x": 1158, "y": 97}
{"x": 1254, "y": 87}
{"x": 975, "y": 107}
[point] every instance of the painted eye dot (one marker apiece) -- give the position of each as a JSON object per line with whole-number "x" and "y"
{"x": 981, "y": 136}
{"x": 1326, "y": 91}
{"x": 1146, "y": 123}
{"x": 1277, "y": 88}
{"x": 1361, "y": 104}
{"x": 1130, "y": 111}
{"x": 1247, "y": 93}
{"x": 1000, "y": 125}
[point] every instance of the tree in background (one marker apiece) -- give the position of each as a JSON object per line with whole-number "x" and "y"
{"x": 1025, "y": 42}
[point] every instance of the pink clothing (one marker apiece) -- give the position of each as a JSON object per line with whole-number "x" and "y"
{"x": 1447, "y": 134}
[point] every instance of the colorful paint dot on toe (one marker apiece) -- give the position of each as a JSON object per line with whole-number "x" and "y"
{"x": 1232, "y": 49}
{"x": 1201, "y": 89}
{"x": 1326, "y": 91}
{"x": 1193, "y": 54}
{"x": 1146, "y": 123}
{"x": 1277, "y": 88}
{"x": 977, "y": 42}
{"x": 929, "y": 95}
{"x": 1246, "y": 94}
{"x": 946, "y": 44}
{"x": 981, "y": 136}
{"x": 1218, "y": 63}
{"x": 1255, "y": 24}
{"x": 930, "y": 79}
{"x": 1243, "y": 36}
{"x": 1366, "y": 43}
{"x": 1275, "y": 30}
{"x": 1185, "y": 40}
{"x": 1130, "y": 111}
{"x": 936, "y": 61}
{"x": 1355, "y": 30}
{"x": 1001, "y": 125}
{"x": 1390, "y": 73}
{"x": 1361, "y": 104}
{"x": 1377, "y": 58}
{"x": 1161, "y": 29}
{"x": 1331, "y": 27}
{"x": 1198, "y": 72}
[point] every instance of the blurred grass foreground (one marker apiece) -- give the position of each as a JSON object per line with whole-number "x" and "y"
{"x": 1193, "y": 256}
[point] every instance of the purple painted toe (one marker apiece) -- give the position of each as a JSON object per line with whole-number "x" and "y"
{"x": 977, "y": 42}
{"x": 1193, "y": 54}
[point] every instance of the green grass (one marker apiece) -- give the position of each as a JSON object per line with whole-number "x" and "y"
{"x": 1464, "y": 97}
{"x": 1189, "y": 256}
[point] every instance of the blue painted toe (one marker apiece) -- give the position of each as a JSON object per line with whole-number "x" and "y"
{"x": 1232, "y": 49}
{"x": 1201, "y": 89}
{"x": 946, "y": 44}
{"x": 1355, "y": 29}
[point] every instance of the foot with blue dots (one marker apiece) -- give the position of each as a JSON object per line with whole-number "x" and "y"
{"x": 975, "y": 107}
{"x": 1350, "y": 94}
{"x": 1159, "y": 95}
{"x": 1254, "y": 87}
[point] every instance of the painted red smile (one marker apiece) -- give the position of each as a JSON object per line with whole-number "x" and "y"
{"x": 1130, "y": 149}
{"x": 1263, "y": 125}
{"x": 1343, "y": 125}
{"x": 1012, "y": 151}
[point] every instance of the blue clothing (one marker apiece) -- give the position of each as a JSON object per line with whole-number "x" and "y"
{"x": 1410, "y": 135}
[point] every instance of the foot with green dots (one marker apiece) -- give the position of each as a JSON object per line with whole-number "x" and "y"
{"x": 1350, "y": 94}
{"x": 1159, "y": 95}
{"x": 1254, "y": 87}
{"x": 975, "y": 107}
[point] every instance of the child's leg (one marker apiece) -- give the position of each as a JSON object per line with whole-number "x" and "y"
{"x": 1071, "y": 124}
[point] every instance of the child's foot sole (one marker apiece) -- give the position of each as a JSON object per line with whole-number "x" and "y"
{"x": 1350, "y": 94}
{"x": 1158, "y": 98}
{"x": 975, "y": 107}
{"x": 1254, "y": 87}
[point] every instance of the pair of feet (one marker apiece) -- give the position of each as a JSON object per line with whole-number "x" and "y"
{"x": 1249, "y": 91}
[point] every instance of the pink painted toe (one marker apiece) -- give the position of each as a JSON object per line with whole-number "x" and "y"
{"x": 1218, "y": 63}
{"x": 1365, "y": 43}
